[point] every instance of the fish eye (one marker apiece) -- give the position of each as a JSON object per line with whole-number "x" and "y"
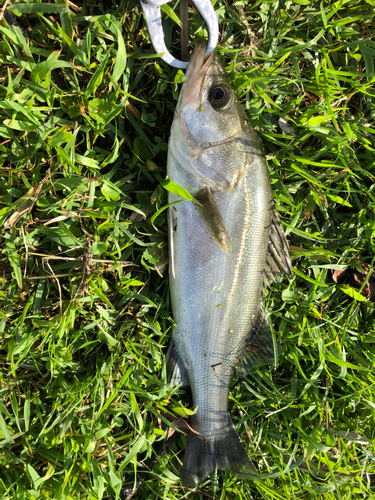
{"x": 219, "y": 96}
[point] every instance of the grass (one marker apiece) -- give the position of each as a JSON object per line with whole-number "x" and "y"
{"x": 85, "y": 319}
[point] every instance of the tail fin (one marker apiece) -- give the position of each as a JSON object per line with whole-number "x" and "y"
{"x": 222, "y": 450}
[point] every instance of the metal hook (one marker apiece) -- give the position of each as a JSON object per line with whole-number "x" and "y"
{"x": 152, "y": 12}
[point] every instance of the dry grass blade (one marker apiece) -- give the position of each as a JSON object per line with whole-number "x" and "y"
{"x": 26, "y": 206}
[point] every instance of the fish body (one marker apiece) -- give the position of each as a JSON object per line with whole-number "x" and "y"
{"x": 223, "y": 251}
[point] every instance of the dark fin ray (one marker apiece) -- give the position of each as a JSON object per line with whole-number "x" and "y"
{"x": 259, "y": 347}
{"x": 276, "y": 256}
{"x": 213, "y": 219}
{"x": 278, "y": 260}
{"x": 265, "y": 281}
{"x": 221, "y": 450}
{"x": 176, "y": 370}
{"x": 271, "y": 268}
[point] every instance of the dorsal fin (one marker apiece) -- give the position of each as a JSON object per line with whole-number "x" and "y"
{"x": 278, "y": 260}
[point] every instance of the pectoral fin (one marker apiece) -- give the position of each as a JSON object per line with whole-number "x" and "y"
{"x": 213, "y": 219}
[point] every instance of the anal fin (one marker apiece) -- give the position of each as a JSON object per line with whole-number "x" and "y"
{"x": 259, "y": 349}
{"x": 176, "y": 370}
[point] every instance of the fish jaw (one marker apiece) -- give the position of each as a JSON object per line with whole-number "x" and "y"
{"x": 194, "y": 76}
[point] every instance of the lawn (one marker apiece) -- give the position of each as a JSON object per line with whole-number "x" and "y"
{"x": 85, "y": 318}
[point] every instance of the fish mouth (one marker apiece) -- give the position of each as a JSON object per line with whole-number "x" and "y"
{"x": 198, "y": 62}
{"x": 195, "y": 73}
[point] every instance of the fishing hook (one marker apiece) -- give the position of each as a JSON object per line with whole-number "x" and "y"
{"x": 152, "y": 12}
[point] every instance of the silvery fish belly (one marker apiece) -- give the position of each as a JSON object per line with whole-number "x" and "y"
{"x": 224, "y": 251}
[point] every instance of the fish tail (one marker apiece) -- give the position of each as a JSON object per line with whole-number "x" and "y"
{"x": 221, "y": 449}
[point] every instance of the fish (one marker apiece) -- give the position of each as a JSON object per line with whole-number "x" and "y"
{"x": 226, "y": 245}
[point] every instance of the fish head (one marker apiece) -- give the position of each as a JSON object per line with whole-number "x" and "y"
{"x": 210, "y": 130}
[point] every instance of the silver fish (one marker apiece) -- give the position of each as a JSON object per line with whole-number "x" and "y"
{"x": 223, "y": 252}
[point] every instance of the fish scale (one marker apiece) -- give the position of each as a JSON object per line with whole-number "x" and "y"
{"x": 219, "y": 260}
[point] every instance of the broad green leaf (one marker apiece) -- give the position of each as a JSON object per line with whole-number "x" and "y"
{"x": 341, "y": 362}
{"x": 36, "y": 479}
{"x": 85, "y": 160}
{"x": 171, "y": 13}
{"x": 103, "y": 432}
{"x": 98, "y": 247}
{"x": 135, "y": 409}
{"x": 308, "y": 278}
{"x": 16, "y": 265}
{"x": 104, "y": 298}
{"x": 176, "y": 189}
{"x": 61, "y": 137}
{"x": 71, "y": 183}
{"x": 11, "y": 105}
{"x": 60, "y": 237}
{"x": 36, "y": 8}
{"x": 338, "y": 199}
{"x": 65, "y": 159}
{"x": 113, "y": 156}
{"x": 77, "y": 51}
{"x": 4, "y": 429}
{"x": 368, "y": 56}
{"x": 115, "y": 481}
{"x": 90, "y": 447}
{"x": 21, "y": 125}
{"x": 9, "y": 34}
{"x": 97, "y": 77}
{"x": 352, "y": 292}
{"x": 317, "y": 120}
{"x": 135, "y": 449}
{"x": 110, "y": 193}
{"x": 120, "y": 62}
{"x": 156, "y": 214}
{"x": 42, "y": 69}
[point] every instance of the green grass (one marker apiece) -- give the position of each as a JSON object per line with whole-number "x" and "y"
{"x": 84, "y": 400}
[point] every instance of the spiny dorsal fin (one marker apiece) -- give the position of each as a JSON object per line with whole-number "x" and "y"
{"x": 259, "y": 347}
{"x": 278, "y": 260}
{"x": 213, "y": 219}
